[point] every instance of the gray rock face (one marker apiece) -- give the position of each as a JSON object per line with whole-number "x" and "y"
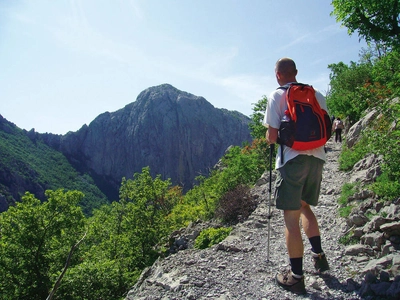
{"x": 178, "y": 135}
{"x": 354, "y": 133}
{"x": 367, "y": 169}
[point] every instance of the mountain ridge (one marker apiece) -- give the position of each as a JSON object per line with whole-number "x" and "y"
{"x": 177, "y": 134}
{"x": 163, "y": 122}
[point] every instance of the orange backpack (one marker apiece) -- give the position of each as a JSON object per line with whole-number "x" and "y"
{"x": 305, "y": 125}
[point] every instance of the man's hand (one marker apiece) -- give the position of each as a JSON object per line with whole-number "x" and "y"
{"x": 271, "y": 135}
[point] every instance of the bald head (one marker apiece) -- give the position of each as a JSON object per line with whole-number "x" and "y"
{"x": 285, "y": 71}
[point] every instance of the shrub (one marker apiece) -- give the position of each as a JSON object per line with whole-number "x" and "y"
{"x": 236, "y": 205}
{"x": 345, "y": 211}
{"x": 348, "y": 239}
{"x": 211, "y": 236}
{"x": 350, "y": 156}
{"x": 348, "y": 189}
{"x": 386, "y": 188}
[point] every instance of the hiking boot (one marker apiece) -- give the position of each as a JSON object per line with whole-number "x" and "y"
{"x": 290, "y": 283}
{"x": 320, "y": 262}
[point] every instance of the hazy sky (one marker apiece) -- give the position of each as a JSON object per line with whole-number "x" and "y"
{"x": 62, "y": 63}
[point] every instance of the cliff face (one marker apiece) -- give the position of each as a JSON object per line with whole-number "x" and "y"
{"x": 176, "y": 134}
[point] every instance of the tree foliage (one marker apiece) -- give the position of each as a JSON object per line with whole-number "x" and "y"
{"x": 345, "y": 98}
{"x": 211, "y": 236}
{"x": 122, "y": 239}
{"x": 374, "y": 20}
{"x": 357, "y": 87}
{"x": 257, "y": 129}
{"x": 35, "y": 241}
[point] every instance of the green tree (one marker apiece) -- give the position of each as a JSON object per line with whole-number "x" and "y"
{"x": 346, "y": 97}
{"x": 122, "y": 239}
{"x": 245, "y": 166}
{"x": 35, "y": 240}
{"x": 149, "y": 206}
{"x": 109, "y": 259}
{"x": 257, "y": 129}
{"x": 374, "y": 20}
{"x": 386, "y": 74}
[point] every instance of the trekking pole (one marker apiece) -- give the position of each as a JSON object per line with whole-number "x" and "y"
{"x": 271, "y": 152}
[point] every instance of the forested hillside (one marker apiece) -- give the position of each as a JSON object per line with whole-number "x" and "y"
{"x": 29, "y": 165}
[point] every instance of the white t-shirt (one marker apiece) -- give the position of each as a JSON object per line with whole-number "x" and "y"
{"x": 273, "y": 115}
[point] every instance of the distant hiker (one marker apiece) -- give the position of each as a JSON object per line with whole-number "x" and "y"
{"x": 297, "y": 185}
{"x": 338, "y": 127}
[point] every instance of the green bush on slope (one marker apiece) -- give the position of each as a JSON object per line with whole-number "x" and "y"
{"x": 211, "y": 236}
{"x": 35, "y": 162}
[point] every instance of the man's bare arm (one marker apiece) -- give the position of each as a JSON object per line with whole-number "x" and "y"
{"x": 271, "y": 135}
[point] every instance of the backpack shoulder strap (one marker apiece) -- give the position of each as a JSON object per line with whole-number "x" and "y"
{"x": 283, "y": 87}
{"x": 297, "y": 84}
{"x": 302, "y": 86}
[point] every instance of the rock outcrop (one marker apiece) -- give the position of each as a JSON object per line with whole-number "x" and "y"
{"x": 178, "y": 135}
{"x": 354, "y": 132}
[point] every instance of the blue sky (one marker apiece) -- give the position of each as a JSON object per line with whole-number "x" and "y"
{"x": 62, "y": 63}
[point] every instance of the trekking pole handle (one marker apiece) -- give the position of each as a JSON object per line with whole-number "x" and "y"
{"x": 271, "y": 152}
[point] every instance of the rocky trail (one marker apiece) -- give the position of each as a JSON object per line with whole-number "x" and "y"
{"x": 238, "y": 268}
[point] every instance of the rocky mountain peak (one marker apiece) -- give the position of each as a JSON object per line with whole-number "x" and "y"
{"x": 177, "y": 134}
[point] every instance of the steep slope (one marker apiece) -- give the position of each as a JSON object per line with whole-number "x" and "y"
{"x": 176, "y": 134}
{"x": 29, "y": 165}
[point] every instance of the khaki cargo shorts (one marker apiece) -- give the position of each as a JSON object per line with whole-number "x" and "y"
{"x": 299, "y": 179}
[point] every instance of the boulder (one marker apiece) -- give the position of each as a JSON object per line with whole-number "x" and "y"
{"x": 392, "y": 211}
{"x": 356, "y": 219}
{"x": 375, "y": 266}
{"x": 357, "y": 249}
{"x": 367, "y": 169}
{"x": 374, "y": 240}
{"x": 374, "y": 224}
{"x": 354, "y": 132}
{"x": 395, "y": 269}
{"x": 390, "y": 229}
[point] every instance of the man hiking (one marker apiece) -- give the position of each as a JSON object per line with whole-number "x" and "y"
{"x": 297, "y": 185}
{"x": 337, "y": 127}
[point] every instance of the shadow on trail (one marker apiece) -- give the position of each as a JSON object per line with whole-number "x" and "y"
{"x": 334, "y": 284}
